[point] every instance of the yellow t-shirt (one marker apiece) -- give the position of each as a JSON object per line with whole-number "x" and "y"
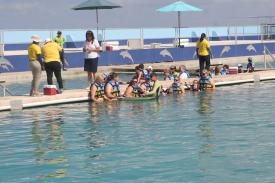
{"x": 203, "y": 47}
{"x": 51, "y": 52}
{"x": 33, "y": 51}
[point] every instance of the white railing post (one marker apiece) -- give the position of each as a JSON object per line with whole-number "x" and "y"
{"x": 265, "y": 66}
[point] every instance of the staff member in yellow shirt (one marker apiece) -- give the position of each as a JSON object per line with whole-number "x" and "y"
{"x": 52, "y": 57}
{"x": 60, "y": 40}
{"x": 35, "y": 59}
{"x": 204, "y": 53}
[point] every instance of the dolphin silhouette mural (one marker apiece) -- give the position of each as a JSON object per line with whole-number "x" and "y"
{"x": 166, "y": 53}
{"x": 195, "y": 55}
{"x": 126, "y": 54}
{"x": 5, "y": 64}
{"x": 251, "y": 48}
{"x": 226, "y": 49}
{"x": 66, "y": 62}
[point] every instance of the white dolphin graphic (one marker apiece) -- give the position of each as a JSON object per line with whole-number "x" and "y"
{"x": 126, "y": 54}
{"x": 226, "y": 49}
{"x": 5, "y": 64}
{"x": 195, "y": 55}
{"x": 66, "y": 62}
{"x": 251, "y": 48}
{"x": 166, "y": 53}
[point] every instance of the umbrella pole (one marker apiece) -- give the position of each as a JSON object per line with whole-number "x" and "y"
{"x": 97, "y": 23}
{"x": 179, "y": 22}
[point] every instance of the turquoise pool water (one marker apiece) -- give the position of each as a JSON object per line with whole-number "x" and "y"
{"x": 222, "y": 136}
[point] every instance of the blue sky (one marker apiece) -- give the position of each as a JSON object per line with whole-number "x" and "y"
{"x": 24, "y": 14}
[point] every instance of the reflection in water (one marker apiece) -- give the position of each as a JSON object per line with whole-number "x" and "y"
{"x": 205, "y": 130}
{"x": 205, "y": 99}
{"x": 107, "y": 109}
{"x": 48, "y": 136}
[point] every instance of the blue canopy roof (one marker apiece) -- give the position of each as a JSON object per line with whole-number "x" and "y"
{"x": 96, "y": 4}
{"x": 179, "y": 7}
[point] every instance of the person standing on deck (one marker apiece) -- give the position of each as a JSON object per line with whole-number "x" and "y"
{"x": 60, "y": 40}
{"x": 35, "y": 60}
{"x": 52, "y": 56}
{"x": 204, "y": 53}
{"x": 91, "y": 49}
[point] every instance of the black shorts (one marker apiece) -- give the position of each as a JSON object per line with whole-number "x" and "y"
{"x": 91, "y": 64}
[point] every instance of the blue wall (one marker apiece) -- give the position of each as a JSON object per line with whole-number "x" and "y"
{"x": 20, "y": 63}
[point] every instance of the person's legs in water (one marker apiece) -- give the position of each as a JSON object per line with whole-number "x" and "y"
{"x": 49, "y": 71}
{"x": 57, "y": 73}
{"x": 93, "y": 76}
{"x": 36, "y": 73}
{"x": 90, "y": 78}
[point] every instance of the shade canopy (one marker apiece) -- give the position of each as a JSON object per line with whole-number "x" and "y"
{"x": 179, "y": 7}
{"x": 96, "y": 4}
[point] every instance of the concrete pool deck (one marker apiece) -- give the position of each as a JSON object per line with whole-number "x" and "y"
{"x": 17, "y": 77}
{"x": 80, "y": 95}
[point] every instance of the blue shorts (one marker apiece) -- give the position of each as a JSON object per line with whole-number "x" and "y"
{"x": 91, "y": 64}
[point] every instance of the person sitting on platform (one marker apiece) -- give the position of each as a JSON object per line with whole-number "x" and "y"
{"x": 250, "y": 66}
{"x": 135, "y": 84}
{"x": 147, "y": 73}
{"x": 112, "y": 87}
{"x": 173, "y": 72}
{"x": 167, "y": 76}
{"x": 156, "y": 89}
{"x": 97, "y": 90}
{"x": 206, "y": 81}
{"x": 225, "y": 70}
{"x": 218, "y": 70}
{"x": 177, "y": 87}
{"x": 240, "y": 68}
{"x": 134, "y": 89}
{"x": 184, "y": 74}
{"x": 195, "y": 86}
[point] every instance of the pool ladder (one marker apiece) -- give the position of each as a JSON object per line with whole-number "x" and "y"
{"x": 268, "y": 53}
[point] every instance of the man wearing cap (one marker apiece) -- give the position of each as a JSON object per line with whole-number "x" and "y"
{"x": 52, "y": 56}
{"x": 35, "y": 59}
{"x": 60, "y": 40}
{"x": 173, "y": 72}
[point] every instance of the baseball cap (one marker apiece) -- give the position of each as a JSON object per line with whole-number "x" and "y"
{"x": 36, "y": 38}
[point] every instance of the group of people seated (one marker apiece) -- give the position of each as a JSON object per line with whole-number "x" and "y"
{"x": 145, "y": 83}
{"x": 225, "y": 68}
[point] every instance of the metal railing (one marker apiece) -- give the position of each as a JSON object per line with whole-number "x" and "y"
{"x": 238, "y": 32}
{"x": 268, "y": 53}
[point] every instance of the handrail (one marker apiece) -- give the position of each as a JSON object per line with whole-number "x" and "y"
{"x": 267, "y": 52}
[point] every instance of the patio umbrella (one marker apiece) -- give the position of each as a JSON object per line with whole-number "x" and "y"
{"x": 96, "y": 5}
{"x": 179, "y": 7}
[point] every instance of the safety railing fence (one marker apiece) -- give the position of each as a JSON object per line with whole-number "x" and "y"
{"x": 73, "y": 35}
{"x": 267, "y": 53}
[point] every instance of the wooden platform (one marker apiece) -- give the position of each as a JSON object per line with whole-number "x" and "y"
{"x": 81, "y": 95}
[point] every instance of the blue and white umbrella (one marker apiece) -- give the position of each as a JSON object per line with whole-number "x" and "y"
{"x": 179, "y": 7}
{"x": 96, "y": 5}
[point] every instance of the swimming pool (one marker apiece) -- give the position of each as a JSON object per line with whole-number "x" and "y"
{"x": 222, "y": 136}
